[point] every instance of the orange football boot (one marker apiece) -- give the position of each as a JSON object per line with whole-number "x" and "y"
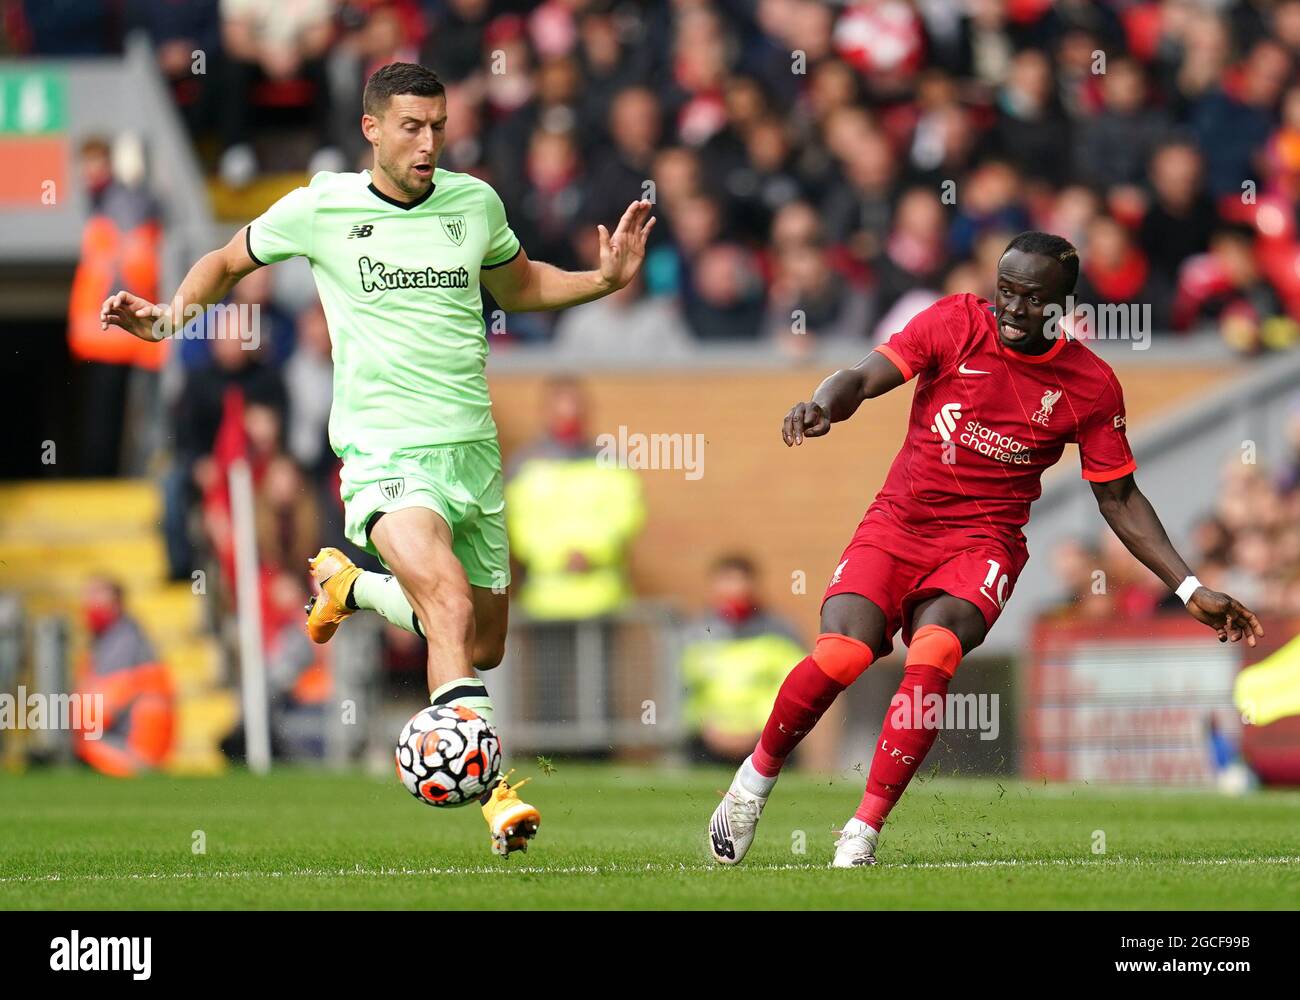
{"x": 512, "y": 821}
{"x": 335, "y": 574}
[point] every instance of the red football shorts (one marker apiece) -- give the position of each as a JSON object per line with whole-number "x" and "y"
{"x": 896, "y": 568}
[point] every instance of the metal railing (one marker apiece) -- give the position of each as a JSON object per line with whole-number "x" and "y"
{"x": 592, "y": 685}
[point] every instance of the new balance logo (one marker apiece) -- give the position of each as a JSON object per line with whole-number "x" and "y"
{"x": 970, "y": 371}
{"x": 720, "y": 835}
{"x": 945, "y": 421}
{"x": 360, "y": 232}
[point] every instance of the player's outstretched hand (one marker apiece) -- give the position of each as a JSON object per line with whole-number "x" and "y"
{"x": 133, "y": 314}
{"x": 1226, "y": 615}
{"x": 621, "y": 255}
{"x": 804, "y": 420}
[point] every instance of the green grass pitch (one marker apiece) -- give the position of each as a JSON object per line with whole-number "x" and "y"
{"x": 632, "y": 837}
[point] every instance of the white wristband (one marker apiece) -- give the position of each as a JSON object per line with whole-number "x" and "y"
{"x": 1186, "y": 588}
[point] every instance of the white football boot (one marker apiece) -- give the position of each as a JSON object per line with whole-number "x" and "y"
{"x": 731, "y": 830}
{"x": 856, "y": 846}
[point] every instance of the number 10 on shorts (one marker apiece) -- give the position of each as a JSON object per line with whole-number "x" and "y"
{"x": 1001, "y": 599}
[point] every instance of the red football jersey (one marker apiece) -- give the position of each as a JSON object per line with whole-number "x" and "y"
{"x": 987, "y": 421}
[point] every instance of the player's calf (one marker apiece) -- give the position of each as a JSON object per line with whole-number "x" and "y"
{"x": 488, "y": 653}
{"x": 904, "y": 740}
{"x": 805, "y": 695}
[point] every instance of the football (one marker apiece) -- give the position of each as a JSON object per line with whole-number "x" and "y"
{"x": 448, "y": 756}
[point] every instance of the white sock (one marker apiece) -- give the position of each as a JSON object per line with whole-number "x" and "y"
{"x": 382, "y": 593}
{"x": 753, "y": 782}
{"x": 855, "y": 827}
{"x": 468, "y": 691}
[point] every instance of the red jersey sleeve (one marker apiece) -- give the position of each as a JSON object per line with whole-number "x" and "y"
{"x": 1103, "y": 440}
{"x": 929, "y": 339}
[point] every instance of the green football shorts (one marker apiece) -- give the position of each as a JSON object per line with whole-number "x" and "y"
{"x": 461, "y": 482}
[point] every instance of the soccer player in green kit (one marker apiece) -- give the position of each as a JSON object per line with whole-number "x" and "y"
{"x": 398, "y": 253}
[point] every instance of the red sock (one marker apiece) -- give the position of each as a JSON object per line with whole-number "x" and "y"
{"x": 904, "y": 739}
{"x": 806, "y": 693}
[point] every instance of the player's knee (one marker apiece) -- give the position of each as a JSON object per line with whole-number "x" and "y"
{"x": 446, "y": 605}
{"x": 936, "y": 646}
{"x": 842, "y": 658}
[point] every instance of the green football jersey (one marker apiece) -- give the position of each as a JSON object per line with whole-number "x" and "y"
{"x": 400, "y": 286}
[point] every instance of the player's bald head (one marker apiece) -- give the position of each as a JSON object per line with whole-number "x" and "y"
{"x": 398, "y": 78}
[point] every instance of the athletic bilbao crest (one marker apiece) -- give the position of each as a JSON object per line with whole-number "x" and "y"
{"x": 392, "y": 488}
{"x": 1044, "y": 413}
{"x": 454, "y": 226}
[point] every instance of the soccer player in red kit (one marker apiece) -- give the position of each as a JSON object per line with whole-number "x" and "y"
{"x": 999, "y": 394}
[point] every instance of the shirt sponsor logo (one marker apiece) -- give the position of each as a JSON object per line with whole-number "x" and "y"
{"x": 986, "y": 441}
{"x": 379, "y": 277}
{"x": 945, "y": 421}
{"x": 980, "y": 438}
{"x": 1044, "y": 413}
{"x": 1120, "y": 422}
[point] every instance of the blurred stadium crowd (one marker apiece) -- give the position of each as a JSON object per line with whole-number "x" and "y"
{"x": 849, "y": 162}
{"x": 821, "y": 171}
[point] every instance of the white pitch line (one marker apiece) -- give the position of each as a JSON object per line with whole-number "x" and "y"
{"x": 617, "y": 869}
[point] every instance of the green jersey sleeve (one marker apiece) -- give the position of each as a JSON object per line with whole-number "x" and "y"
{"x": 503, "y": 244}
{"x": 284, "y": 230}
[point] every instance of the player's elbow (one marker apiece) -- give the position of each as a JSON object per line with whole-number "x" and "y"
{"x": 1113, "y": 504}
{"x": 506, "y": 298}
{"x": 513, "y": 286}
{"x": 1115, "y": 493}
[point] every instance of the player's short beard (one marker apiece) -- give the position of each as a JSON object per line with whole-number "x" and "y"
{"x": 398, "y": 176}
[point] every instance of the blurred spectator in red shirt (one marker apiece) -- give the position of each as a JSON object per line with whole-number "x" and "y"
{"x": 1115, "y": 271}
{"x": 1226, "y": 285}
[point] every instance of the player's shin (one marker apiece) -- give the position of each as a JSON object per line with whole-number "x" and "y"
{"x": 911, "y": 726}
{"x": 382, "y": 593}
{"x": 805, "y": 695}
